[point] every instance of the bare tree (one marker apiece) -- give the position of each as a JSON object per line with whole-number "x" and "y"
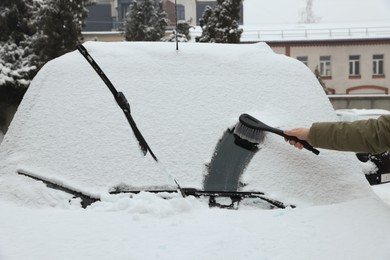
{"x": 307, "y": 14}
{"x": 322, "y": 83}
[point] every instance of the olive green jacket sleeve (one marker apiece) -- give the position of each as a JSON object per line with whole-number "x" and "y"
{"x": 372, "y": 136}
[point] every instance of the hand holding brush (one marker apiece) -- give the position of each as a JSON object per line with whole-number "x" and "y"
{"x": 300, "y": 133}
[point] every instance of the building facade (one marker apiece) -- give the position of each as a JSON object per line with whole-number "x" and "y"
{"x": 346, "y": 66}
{"x": 350, "y": 59}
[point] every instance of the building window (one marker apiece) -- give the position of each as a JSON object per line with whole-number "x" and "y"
{"x": 325, "y": 66}
{"x": 303, "y": 59}
{"x": 124, "y": 8}
{"x": 180, "y": 12}
{"x": 354, "y": 65}
{"x": 377, "y": 64}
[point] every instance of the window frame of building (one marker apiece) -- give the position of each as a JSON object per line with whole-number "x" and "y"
{"x": 354, "y": 66}
{"x": 326, "y": 66}
{"x": 378, "y": 62}
{"x": 181, "y": 13}
{"x": 303, "y": 59}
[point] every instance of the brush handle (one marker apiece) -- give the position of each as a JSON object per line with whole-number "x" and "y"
{"x": 305, "y": 144}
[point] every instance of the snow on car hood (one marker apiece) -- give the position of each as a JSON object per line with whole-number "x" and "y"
{"x": 69, "y": 128}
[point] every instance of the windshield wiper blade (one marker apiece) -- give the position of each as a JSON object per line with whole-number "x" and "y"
{"x": 86, "y": 199}
{"x": 235, "y": 196}
{"x": 121, "y": 101}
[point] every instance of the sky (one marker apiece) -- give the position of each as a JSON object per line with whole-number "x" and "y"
{"x": 328, "y": 11}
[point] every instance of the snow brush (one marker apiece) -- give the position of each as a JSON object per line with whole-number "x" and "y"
{"x": 121, "y": 100}
{"x": 250, "y": 130}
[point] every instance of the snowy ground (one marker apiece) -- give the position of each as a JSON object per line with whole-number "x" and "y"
{"x": 69, "y": 130}
{"x": 383, "y": 191}
{"x": 147, "y": 227}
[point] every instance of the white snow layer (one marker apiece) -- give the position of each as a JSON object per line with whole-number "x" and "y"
{"x": 69, "y": 130}
{"x": 183, "y": 229}
{"x": 69, "y": 127}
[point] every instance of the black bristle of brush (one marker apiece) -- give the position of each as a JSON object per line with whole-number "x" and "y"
{"x": 252, "y": 135}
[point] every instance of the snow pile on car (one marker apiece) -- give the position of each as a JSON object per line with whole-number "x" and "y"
{"x": 69, "y": 128}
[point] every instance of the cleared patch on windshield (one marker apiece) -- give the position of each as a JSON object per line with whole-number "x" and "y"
{"x": 229, "y": 161}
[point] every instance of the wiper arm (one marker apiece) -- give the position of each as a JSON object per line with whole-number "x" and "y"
{"x": 235, "y": 196}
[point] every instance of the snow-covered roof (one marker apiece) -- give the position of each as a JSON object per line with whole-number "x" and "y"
{"x": 360, "y": 114}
